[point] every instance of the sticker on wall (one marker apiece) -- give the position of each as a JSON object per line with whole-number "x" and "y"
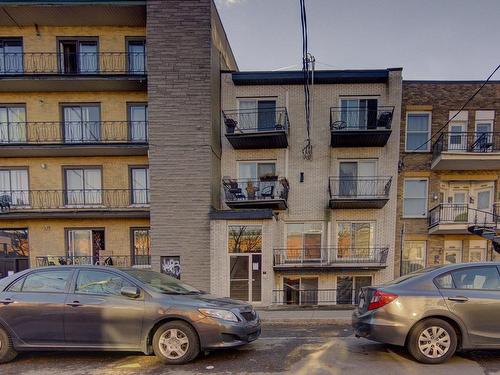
{"x": 171, "y": 265}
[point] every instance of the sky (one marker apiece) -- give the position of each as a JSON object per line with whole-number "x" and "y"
{"x": 430, "y": 39}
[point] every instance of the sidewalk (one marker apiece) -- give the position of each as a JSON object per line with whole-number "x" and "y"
{"x": 306, "y": 315}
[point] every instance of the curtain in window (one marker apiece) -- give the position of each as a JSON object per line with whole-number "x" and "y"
{"x": 136, "y": 57}
{"x": 138, "y": 123}
{"x": 81, "y": 124}
{"x": 88, "y": 57}
{"x": 11, "y": 57}
{"x": 12, "y": 124}
{"x": 140, "y": 185}
{"x": 417, "y": 131}
{"x": 248, "y": 114}
{"x": 92, "y": 186}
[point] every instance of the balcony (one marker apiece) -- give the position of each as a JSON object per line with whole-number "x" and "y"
{"x": 262, "y": 193}
{"x": 93, "y": 71}
{"x": 257, "y": 128}
{"x": 312, "y": 297}
{"x": 448, "y": 218}
{"x": 360, "y": 258}
{"x": 359, "y": 192}
{"x": 466, "y": 151}
{"x": 137, "y": 261}
{"x": 88, "y": 203}
{"x": 73, "y": 138}
{"x": 354, "y": 127}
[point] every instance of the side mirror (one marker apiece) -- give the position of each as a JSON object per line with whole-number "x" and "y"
{"x": 130, "y": 292}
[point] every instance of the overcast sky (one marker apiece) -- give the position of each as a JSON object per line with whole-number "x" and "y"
{"x": 430, "y": 39}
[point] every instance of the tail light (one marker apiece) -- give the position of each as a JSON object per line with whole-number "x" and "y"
{"x": 380, "y": 299}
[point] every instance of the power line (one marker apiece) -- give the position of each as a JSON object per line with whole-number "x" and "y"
{"x": 306, "y": 59}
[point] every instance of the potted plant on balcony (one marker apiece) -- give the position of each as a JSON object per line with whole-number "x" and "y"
{"x": 250, "y": 189}
{"x": 230, "y": 124}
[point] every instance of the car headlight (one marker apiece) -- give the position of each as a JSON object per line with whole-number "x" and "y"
{"x": 219, "y": 314}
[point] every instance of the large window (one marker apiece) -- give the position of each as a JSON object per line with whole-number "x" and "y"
{"x": 245, "y": 239}
{"x": 84, "y": 245}
{"x": 136, "y": 56}
{"x": 14, "y": 242}
{"x": 138, "y": 122}
{"x": 356, "y": 178}
{"x": 418, "y": 127}
{"x": 415, "y": 198}
{"x": 257, "y": 114}
{"x": 78, "y": 56}
{"x": 13, "y": 188}
{"x": 141, "y": 247}
{"x": 304, "y": 241}
{"x": 348, "y": 288}
{"x": 12, "y": 124}
{"x": 359, "y": 113}
{"x": 11, "y": 56}
{"x": 355, "y": 239}
{"x": 140, "y": 185}
{"x": 83, "y": 186}
{"x": 82, "y": 123}
{"x": 413, "y": 256}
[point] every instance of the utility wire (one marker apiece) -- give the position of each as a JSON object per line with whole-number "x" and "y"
{"x": 401, "y": 163}
{"x": 307, "y": 149}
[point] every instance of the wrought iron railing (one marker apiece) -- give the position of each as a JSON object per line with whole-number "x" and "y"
{"x": 98, "y": 260}
{"x": 83, "y": 63}
{"x": 476, "y": 142}
{"x": 450, "y": 213}
{"x": 71, "y": 199}
{"x": 74, "y": 132}
{"x": 360, "y": 187}
{"x": 321, "y": 256}
{"x": 347, "y": 118}
{"x": 256, "y": 120}
{"x": 295, "y": 296}
{"x": 266, "y": 188}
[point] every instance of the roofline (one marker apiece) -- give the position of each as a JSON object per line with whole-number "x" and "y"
{"x": 71, "y": 2}
{"x": 444, "y": 81}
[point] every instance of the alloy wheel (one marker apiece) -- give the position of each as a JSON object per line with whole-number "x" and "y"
{"x": 434, "y": 342}
{"x": 173, "y": 343}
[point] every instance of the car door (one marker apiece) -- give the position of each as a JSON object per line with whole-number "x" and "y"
{"x": 97, "y": 314}
{"x": 33, "y": 306}
{"x": 473, "y": 294}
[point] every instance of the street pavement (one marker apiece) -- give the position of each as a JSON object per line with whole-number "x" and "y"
{"x": 316, "y": 347}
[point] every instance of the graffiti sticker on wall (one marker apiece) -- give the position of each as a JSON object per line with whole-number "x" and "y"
{"x": 171, "y": 265}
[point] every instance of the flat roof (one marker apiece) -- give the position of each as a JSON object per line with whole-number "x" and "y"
{"x": 70, "y": 2}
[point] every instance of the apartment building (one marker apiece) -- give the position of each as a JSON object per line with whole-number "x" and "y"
{"x": 448, "y": 189}
{"x": 297, "y": 231}
{"x": 82, "y": 118}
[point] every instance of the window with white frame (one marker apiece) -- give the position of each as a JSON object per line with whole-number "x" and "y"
{"x": 415, "y": 198}
{"x": 413, "y": 256}
{"x": 418, "y": 127}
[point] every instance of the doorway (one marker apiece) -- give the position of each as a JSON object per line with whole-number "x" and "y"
{"x": 245, "y": 281}
{"x": 300, "y": 290}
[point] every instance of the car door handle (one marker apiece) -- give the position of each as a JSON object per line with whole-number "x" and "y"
{"x": 6, "y": 301}
{"x": 74, "y": 304}
{"x": 458, "y": 299}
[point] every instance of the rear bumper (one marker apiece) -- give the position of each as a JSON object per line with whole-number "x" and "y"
{"x": 215, "y": 334}
{"x": 375, "y": 328}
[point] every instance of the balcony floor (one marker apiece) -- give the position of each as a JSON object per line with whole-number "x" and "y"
{"x": 317, "y": 266}
{"x": 47, "y": 150}
{"x": 75, "y": 214}
{"x": 360, "y": 138}
{"x": 257, "y": 140}
{"x": 274, "y": 204}
{"x": 342, "y": 203}
{"x": 460, "y": 161}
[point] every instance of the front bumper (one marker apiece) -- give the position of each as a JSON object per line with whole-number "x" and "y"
{"x": 215, "y": 333}
{"x": 373, "y": 326}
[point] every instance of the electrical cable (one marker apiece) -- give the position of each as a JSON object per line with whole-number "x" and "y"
{"x": 307, "y": 149}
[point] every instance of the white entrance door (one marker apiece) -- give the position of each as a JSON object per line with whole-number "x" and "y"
{"x": 457, "y": 140}
{"x": 484, "y": 137}
{"x": 245, "y": 281}
{"x": 483, "y": 203}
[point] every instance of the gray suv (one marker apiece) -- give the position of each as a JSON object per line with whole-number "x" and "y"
{"x": 435, "y": 311}
{"x": 104, "y": 308}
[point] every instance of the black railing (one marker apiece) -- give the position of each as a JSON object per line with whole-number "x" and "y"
{"x": 83, "y": 63}
{"x": 346, "y": 118}
{"x": 477, "y": 142}
{"x": 449, "y": 213}
{"x": 256, "y": 120}
{"x": 320, "y": 256}
{"x": 360, "y": 187}
{"x": 74, "y": 132}
{"x": 294, "y": 296}
{"x": 266, "y": 188}
{"x": 71, "y": 199}
{"x": 408, "y": 266}
{"x": 98, "y": 260}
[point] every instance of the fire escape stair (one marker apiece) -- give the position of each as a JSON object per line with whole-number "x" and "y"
{"x": 488, "y": 233}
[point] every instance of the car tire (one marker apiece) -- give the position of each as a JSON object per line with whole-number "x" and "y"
{"x": 437, "y": 349}
{"x": 176, "y": 343}
{"x": 7, "y": 352}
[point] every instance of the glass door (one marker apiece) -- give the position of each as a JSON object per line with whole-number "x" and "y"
{"x": 348, "y": 173}
{"x": 14, "y": 189}
{"x": 355, "y": 241}
{"x": 457, "y": 138}
{"x": 138, "y": 120}
{"x": 267, "y": 115}
{"x": 484, "y": 137}
{"x": 83, "y": 187}
{"x": 137, "y": 57}
{"x": 245, "y": 282}
{"x": 300, "y": 290}
{"x": 484, "y": 206}
{"x": 80, "y": 246}
{"x": 12, "y": 124}
{"x": 81, "y": 124}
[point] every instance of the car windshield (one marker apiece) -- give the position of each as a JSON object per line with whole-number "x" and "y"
{"x": 161, "y": 282}
{"x": 411, "y": 275}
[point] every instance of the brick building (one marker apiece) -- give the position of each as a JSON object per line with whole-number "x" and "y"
{"x": 452, "y": 182}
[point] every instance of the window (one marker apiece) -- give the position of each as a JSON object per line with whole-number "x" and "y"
{"x": 300, "y": 290}
{"x": 14, "y": 242}
{"x": 413, "y": 256}
{"x": 83, "y": 186}
{"x": 348, "y": 288}
{"x": 78, "y": 56}
{"x": 54, "y": 281}
{"x": 245, "y": 239}
{"x": 359, "y": 113}
{"x": 11, "y": 56}
{"x": 12, "y": 124}
{"x": 140, "y": 185}
{"x": 100, "y": 283}
{"x": 84, "y": 245}
{"x": 477, "y": 250}
{"x": 136, "y": 56}
{"x": 138, "y": 122}
{"x": 257, "y": 114}
{"x": 355, "y": 240}
{"x": 457, "y": 138}
{"x": 415, "y": 198}
{"x": 477, "y": 278}
{"x": 484, "y": 200}
{"x": 304, "y": 241}
{"x": 356, "y": 178}
{"x": 13, "y": 188}
{"x": 141, "y": 247}
{"x": 82, "y": 123}
{"x": 257, "y": 180}
{"x": 452, "y": 251}
{"x": 418, "y": 126}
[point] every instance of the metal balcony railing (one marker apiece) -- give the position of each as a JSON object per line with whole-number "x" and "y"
{"x": 450, "y": 213}
{"x": 296, "y": 296}
{"x": 256, "y": 190}
{"x": 346, "y": 118}
{"x": 256, "y": 120}
{"x": 139, "y": 261}
{"x": 476, "y": 142}
{"x": 72, "y": 199}
{"x": 74, "y": 132}
{"x": 83, "y": 63}
{"x": 360, "y": 187}
{"x": 321, "y": 256}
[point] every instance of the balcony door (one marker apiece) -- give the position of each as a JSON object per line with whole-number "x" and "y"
{"x": 483, "y": 203}
{"x": 138, "y": 120}
{"x": 83, "y": 186}
{"x": 457, "y": 138}
{"x": 257, "y": 114}
{"x": 484, "y": 137}
{"x": 14, "y": 190}
{"x": 257, "y": 179}
{"x": 356, "y": 178}
{"x": 11, "y": 56}
{"x": 78, "y": 56}
{"x": 359, "y": 113}
{"x": 348, "y": 288}
{"x": 82, "y": 123}
{"x": 355, "y": 241}
{"x": 136, "y": 56}
{"x": 84, "y": 245}
{"x": 304, "y": 242}
{"x": 12, "y": 124}
{"x": 301, "y": 290}
{"x": 140, "y": 185}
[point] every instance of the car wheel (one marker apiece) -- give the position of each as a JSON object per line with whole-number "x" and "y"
{"x": 176, "y": 343}
{"x": 7, "y": 352}
{"x": 432, "y": 341}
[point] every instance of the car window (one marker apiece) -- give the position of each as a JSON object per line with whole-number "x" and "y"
{"x": 100, "y": 282}
{"x": 444, "y": 281}
{"x": 411, "y": 275}
{"x": 17, "y": 285}
{"x": 486, "y": 277}
{"x": 54, "y": 281}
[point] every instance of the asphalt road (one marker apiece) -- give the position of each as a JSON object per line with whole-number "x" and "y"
{"x": 306, "y": 349}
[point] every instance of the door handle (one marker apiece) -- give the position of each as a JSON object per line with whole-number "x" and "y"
{"x": 458, "y": 299}
{"x": 74, "y": 304}
{"x": 6, "y": 301}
